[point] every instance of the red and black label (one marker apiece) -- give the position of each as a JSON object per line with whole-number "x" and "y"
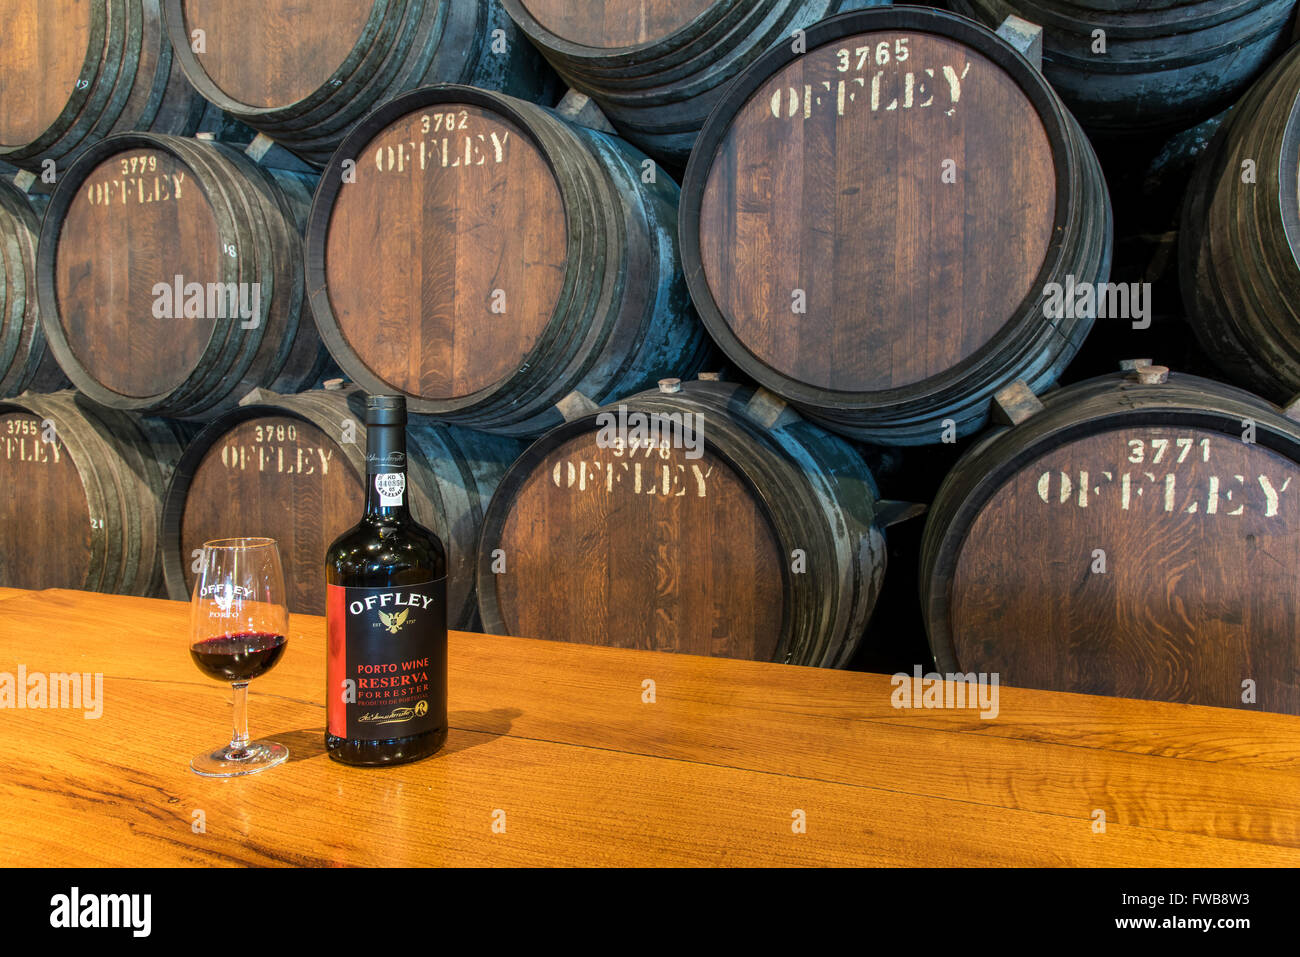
{"x": 387, "y": 666}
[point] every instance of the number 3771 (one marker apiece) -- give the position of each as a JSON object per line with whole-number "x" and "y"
{"x": 1166, "y": 450}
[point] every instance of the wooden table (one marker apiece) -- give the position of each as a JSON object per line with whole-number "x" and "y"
{"x": 555, "y": 741}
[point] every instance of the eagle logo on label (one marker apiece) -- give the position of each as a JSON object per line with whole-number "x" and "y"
{"x": 395, "y": 621}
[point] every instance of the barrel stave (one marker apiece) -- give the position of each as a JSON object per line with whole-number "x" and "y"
{"x": 127, "y": 82}
{"x": 1239, "y": 245}
{"x": 401, "y": 45}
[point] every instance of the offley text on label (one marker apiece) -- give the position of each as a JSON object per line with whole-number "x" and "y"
{"x": 391, "y": 600}
{"x": 879, "y": 76}
{"x": 1149, "y": 478}
{"x": 452, "y": 143}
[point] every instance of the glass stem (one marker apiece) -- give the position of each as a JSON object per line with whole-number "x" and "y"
{"x": 240, "y": 739}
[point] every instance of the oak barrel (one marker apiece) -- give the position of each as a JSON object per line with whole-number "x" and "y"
{"x": 1130, "y": 538}
{"x": 170, "y": 277}
{"x": 658, "y": 68}
{"x": 1134, "y": 66}
{"x": 497, "y": 265}
{"x": 75, "y": 71}
{"x": 305, "y": 77}
{"x": 83, "y": 489}
{"x": 25, "y": 363}
{"x": 1239, "y": 246}
{"x": 736, "y": 529}
{"x": 293, "y": 468}
{"x": 873, "y": 229}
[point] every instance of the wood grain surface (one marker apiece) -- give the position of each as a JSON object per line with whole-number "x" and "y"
{"x": 831, "y": 182}
{"x": 1200, "y": 535}
{"x": 555, "y": 740}
{"x": 618, "y": 23}
{"x": 270, "y": 53}
{"x": 436, "y": 294}
{"x": 43, "y": 47}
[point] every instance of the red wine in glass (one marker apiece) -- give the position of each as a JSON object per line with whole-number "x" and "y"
{"x": 238, "y": 657}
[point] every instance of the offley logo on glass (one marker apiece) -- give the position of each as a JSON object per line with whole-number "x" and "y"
{"x": 224, "y": 597}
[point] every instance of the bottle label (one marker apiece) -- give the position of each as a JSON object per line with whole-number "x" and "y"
{"x": 391, "y": 486}
{"x": 387, "y": 660}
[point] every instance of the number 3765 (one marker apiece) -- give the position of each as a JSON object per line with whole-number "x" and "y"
{"x": 880, "y": 54}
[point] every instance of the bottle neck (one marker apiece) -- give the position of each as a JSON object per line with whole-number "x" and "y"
{"x": 387, "y": 494}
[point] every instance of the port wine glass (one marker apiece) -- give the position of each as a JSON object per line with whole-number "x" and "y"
{"x": 239, "y": 624}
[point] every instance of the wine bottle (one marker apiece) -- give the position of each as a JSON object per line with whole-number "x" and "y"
{"x": 386, "y": 615}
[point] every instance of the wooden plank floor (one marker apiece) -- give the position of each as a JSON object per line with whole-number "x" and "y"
{"x": 555, "y": 741}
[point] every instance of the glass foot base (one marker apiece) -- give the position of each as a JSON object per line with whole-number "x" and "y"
{"x": 230, "y": 762}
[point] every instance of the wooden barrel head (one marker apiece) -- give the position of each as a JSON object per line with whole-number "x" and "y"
{"x": 280, "y": 477}
{"x": 1200, "y": 536}
{"x": 138, "y": 219}
{"x": 445, "y": 259}
{"x": 42, "y": 51}
{"x": 877, "y": 210}
{"x": 45, "y": 519}
{"x": 616, "y": 547}
{"x": 273, "y": 53}
{"x": 615, "y": 23}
